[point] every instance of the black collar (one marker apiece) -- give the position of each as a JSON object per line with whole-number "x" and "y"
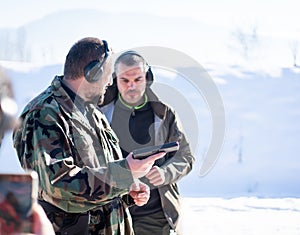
{"x": 77, "y": 100}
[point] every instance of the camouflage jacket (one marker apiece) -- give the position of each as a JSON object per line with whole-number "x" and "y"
{"x": 79, "y": 162}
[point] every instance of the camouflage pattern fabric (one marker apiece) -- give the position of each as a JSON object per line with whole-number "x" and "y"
{"x": 106, "y": 222}
{"x": 76, "y": 156}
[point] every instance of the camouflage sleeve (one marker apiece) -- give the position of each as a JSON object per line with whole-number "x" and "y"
{"x": 43, "y": 145}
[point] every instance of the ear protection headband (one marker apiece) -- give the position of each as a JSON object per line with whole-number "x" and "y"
{"x": 149, "y": 74}
{"x": 94, "y": 70}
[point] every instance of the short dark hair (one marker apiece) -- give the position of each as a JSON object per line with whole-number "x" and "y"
{"x": 82, "y": 53}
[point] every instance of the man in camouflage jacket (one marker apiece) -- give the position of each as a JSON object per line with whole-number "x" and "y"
{"x": 66, "y": 139}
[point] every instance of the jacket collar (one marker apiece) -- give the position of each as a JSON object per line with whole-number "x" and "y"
{"x": 73, "y": 106}
{"x": 157, "y": 105}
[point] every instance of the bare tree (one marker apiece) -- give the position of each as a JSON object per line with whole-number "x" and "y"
{"x": 13, "y": 44}
{"x": 294, "y": 48}
{"x": 20, "y": 42}
{"x": 5, "y": 44}
{"x": 238, "y": 147}
{"x": 245, "y": 41}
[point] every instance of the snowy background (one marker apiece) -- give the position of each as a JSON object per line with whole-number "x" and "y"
{"x": 251, "y": 50}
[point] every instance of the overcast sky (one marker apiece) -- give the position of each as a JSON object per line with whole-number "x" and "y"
{"x": 276, "y": 23}
{"x": 269, "y": 15}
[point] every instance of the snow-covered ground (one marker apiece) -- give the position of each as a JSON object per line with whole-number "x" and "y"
{"x": 254, "y": 187}
{"x": 235, "y": 198}
{"x": 241, "y": 216}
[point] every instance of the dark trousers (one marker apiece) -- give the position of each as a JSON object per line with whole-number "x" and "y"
{"x": 108, "y": 219}
{"x": 151, "y": 224}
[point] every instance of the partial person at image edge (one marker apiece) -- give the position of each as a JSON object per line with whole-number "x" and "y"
{"x": 8, "y": 109}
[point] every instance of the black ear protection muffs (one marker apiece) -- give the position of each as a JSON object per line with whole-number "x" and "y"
{"x": 149, "y": 74}
{"x": 94, "y": 70}
{"x": 112, "y": 91}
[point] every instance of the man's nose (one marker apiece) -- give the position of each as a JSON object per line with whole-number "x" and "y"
{"x": 131, "y": 85}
